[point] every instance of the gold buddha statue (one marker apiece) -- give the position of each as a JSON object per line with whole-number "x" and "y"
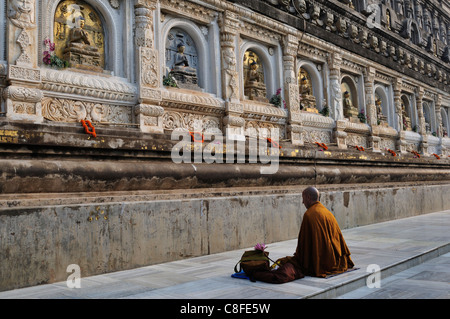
{"x": 79, "y": 52}
{"x": 254, "y": 87}
{"x": 406, "y": 120}
{"x": 350, "y": 110}
{"x": 381, "y": 118}
{"x": 307, "y": 100}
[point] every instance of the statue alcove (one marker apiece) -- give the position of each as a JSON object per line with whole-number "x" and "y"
{"x": 349, "y": 99}
{"x": 254, "y": 78}
{"x": 79, "y": 35}
{"x": 182, "y": 59}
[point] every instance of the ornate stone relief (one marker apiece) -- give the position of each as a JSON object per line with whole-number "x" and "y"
{"x": 65, "y": 110}
{"x": 260, "y": 129}
{"x": 189, "y": 9}
{"x": 93, "y": 86}
{"x": 22, "y": 16}
{"x": 149, "y": 66}
{"x": 356, "y": 140}
{"x": 386, "y": 143}
{"x": 312, "y": 136}
{"x": 173, "y": 120}
{"x": 193, "y": 102}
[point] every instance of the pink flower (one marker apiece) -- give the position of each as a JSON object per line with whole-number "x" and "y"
{"x": 52, "y": 47}
{"x": 259, "y": 246}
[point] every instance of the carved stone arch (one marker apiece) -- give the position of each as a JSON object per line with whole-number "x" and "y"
{"x": 416, "y": 36}
{"x": 410, "y": 108}
{"x": 406, "y": 101}
{"x": 201, "y": 45}
{"x": 316, "y": 79}
{"x": 112, "y": 29}
{"x": 348, "y": 84}
{"x": 411, "y": 31}
{"x": 387, "y": 107}
{"x": 428, "y": 114}
{"x": 269, "y": 67}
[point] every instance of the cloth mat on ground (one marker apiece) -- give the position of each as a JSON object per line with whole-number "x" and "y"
{"x": 240, "y": 275}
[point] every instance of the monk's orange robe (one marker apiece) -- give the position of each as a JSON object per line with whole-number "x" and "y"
{"x": 321, "y": 248}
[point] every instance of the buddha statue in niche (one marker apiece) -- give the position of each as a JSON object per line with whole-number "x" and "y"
{"x": 350, "y": 110}
{"x": 79, "y": 35}
{"x": 381, "y": 118}
{"x": 307, "y": 99}
{"x": 79, "y": 51}
{"x": 181, "y": 59}
{"x": 406, "y": 120}
{"x": 185, "y": 75}
{"x": 254, "y": 86}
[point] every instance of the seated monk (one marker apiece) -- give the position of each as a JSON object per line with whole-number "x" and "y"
{"x": 321, "y": 248}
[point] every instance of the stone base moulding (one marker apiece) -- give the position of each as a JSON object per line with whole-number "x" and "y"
{"x": 150, "y": 118}
{"x": 23, "y": 104}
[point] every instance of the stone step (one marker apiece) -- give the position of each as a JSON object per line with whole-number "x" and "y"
{"x": 367, "y": 278}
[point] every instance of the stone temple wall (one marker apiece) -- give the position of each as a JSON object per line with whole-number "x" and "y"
{"x": 341, "y": 86}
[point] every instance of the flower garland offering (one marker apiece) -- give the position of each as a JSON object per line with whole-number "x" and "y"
{"x": 416, "y": 154}
{"x": 88, "y": 125}
{"x": 274, "y": 144}
{"x": 260, "y": 246}
{"x": 360, "y": 148}
{"x": 392, "y": 152}
{"x": 322, "y": 145}
{"x": 437, "y": 156}
{"x": 194, "y": 139}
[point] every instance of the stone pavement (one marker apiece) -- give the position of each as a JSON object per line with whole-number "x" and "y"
{"x": 412, "y": 255}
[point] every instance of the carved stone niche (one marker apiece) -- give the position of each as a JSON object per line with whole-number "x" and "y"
{"x": 23, "y": 103}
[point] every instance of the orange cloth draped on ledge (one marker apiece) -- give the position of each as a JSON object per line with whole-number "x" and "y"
{"x": 321, "y": 250}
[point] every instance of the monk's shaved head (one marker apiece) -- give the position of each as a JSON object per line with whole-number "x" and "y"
{"x": 310, "y": 195}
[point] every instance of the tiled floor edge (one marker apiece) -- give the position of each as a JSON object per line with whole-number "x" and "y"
{"x": 360, "y": 281}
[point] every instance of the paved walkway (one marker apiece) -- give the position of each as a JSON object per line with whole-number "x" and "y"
{"x": 412, "y": 255}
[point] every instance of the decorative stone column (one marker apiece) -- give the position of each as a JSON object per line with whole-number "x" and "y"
{"x": 233, "y": 121}
{"x": 438, "y": 104}
{"x": 401, "y": 140}
{"x": 335, "y": 101}
{"x": 439, "y": 125}
{"x": 369, "y": 79}
{"x": 419, "y": 103}
{"x": 23, "y": 97}
{"x": 148, "y": 112}
{"x": 397, "y": 88}
{"x": 291, "y": 90}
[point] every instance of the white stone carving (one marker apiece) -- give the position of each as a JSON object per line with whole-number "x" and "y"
{"x": 65, "y": 110}
{"x": 191, "y": 122}
{"x": 93, "y": 86}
